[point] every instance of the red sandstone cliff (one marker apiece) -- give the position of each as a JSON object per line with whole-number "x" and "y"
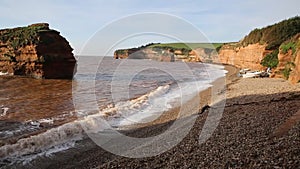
{"x": 243, "y": 57}
{"x": 289, "y": 61}
{"x": 251, "y": 56}
{"x": 36, "y": 51}
{"x": 283, "y": 60}
{"x": 207, "y": 55}
{"x": 159, "y": 54}
{"x": 253, "y": 49}
{"x": 259, "y": 47}
{"x": 295, "y": 73}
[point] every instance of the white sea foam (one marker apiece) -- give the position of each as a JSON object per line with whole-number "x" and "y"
{"x": 150, "y": 106}
{"x": 74, "y": 130}
{"x": 46, "y": 153}
{"x": 55, "y": 136}
{"x": 22, "y": 128}
{"x": 48, "y": 120}
{"x": 5, "y": 73}
{"x": 136, "y": 110}
{"x": 3, "y": 111}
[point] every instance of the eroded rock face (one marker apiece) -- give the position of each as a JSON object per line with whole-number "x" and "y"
{"x": 243, "y": 57}
{"x": 295, "y": 73}
{"x": 158, "y": 54}
{"x": 149, "y": 53}
{"x": 289, "y": 61}
{"x": 36, "y": 51}
{"x": 206, "y": 55}
{"x": 283, "y": 60}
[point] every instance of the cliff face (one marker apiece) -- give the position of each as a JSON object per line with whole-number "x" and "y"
{"x": 251, "y": 56}
{"x": 158, "y": 54}
{"x": 275, "y": 46}
{"x": 289, "y": 60}
{"x": 36, "y": 51}
{"x": 243, "y": 57}
{"x": 283, "y": 60}
{"x": 262, "y": 46}
{"x": 294, "y": 76}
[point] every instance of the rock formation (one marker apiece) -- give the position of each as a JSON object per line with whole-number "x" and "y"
{"x": 207, "y": 55}
{"x": 289, "y": 60}
{"x": 157, "y": 53}
{"x": 250, "y": 52}
{"x": 251, "y": 56}
{"x": 259, "y": 43}
{"x": 294, "y": 75}
{"x": 36, "y": 51}
{"x": 243, "y": 57}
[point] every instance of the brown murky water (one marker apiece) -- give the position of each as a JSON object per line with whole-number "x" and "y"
{"x": 33, "y": 105}
{"x": 33, "y": 99}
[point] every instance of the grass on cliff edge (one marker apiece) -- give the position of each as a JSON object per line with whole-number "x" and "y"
{"x": 274, "y": 35}
{"x": 189, "y": 46}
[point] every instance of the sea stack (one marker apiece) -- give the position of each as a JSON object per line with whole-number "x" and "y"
{"x": 36, "y": 51}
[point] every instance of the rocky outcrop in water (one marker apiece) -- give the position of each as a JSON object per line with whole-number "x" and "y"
{"x": 36, "y": 51}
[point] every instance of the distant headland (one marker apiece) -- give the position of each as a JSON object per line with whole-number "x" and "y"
{"x": 276, "y": 46}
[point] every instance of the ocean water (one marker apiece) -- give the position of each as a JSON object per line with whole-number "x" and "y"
{"x": 42, "y": 117}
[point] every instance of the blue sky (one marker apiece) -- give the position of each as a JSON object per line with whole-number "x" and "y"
{"x": 79, "y": 20}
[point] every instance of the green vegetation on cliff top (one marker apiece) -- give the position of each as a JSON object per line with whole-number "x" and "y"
{"x": 189, "y": 46}
{"x": 291, "y": 44}
{"x": 16, "y": 38}
{"x": 22, "y": 36}
{"x": 274, "y": 35}
{"x": 186, "y": 47}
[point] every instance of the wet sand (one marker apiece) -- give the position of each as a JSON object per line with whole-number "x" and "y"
{"x": 251, "y": 134}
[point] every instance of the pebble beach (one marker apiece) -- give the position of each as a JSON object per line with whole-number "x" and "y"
{"x": 259, "y": 128}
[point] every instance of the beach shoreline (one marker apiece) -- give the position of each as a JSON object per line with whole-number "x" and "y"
{"x": 245, "y": 137}
{"x": 204, "y": 98}
{"x": 254, "y": 131}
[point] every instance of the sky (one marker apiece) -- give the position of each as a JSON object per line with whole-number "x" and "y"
{"x": 80, "y": 20}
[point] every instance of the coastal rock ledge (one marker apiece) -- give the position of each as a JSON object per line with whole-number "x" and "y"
{"x": 36, "y": 51}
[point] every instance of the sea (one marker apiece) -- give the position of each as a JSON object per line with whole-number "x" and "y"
{"x": 40, "y": 117}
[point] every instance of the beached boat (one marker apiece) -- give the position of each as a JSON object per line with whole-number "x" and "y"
{"x": 252, "y": 74}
